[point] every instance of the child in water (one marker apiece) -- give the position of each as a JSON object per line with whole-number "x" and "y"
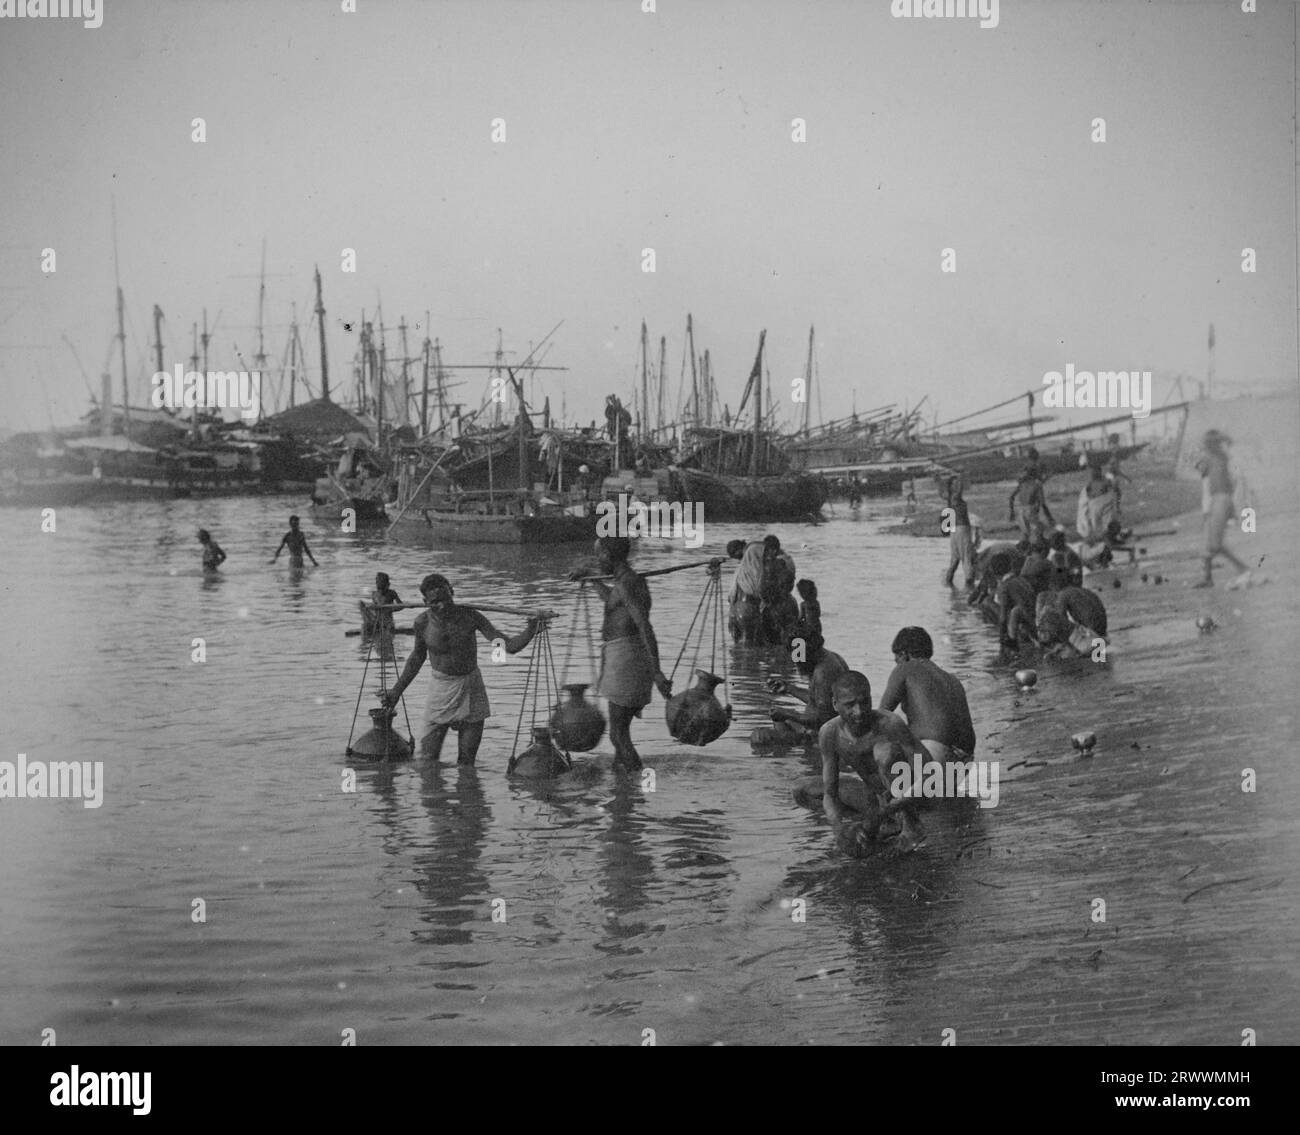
{"x": 213, "y": 556}
{"x": 376, "y": 621}
{"x": 810, "y": 610}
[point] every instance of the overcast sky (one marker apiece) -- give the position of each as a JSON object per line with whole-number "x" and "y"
{"x": 671, "y": 131}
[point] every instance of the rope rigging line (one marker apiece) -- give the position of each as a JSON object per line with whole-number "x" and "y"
{"x": 711, "y": 605}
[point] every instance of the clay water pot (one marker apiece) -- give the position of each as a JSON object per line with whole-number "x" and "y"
{"x": 540, "y": 759}
{"x": 576, "y": 724}
{"x": 1084, "y": 742}
{"x": 380, "y": 742}
{"x": 695, "y": 716}
{"x": 1027, "y": 678}
{"x": 1205, "y": 623}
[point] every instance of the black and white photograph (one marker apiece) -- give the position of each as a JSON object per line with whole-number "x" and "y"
{"x": 650, "y": 522}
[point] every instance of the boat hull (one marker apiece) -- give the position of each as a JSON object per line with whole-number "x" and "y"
{"x": 478, "y": 528}
{"x": 764, "y": 500}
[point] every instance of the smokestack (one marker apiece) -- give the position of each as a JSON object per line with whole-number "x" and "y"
{"x": 106, "y": 405}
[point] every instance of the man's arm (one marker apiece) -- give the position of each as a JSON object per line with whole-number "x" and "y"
{"x": 308, "y": 551}
{"x": 418, "y": 654}
{"x": 895, "y": 688}
{"x": 283, "y": 540}
{"x": 1011, "y": 504}
{"x": 221, "y": 554}
{"x": 513, "y": 645}
{"x": 636, "y": 607}
{"x": 830, "y": 773}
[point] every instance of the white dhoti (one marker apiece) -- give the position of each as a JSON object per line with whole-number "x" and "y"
{"x": 456, "y": 699}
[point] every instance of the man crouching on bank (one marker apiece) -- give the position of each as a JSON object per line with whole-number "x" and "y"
{"x": 870, "y": 743}
{"x": 457, "y": 697}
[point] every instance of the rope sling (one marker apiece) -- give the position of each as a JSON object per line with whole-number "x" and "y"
{"x": 541, "y": 685}
{"x": 380, "y": 741}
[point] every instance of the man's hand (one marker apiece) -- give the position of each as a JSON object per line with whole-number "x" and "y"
{"x": 663, "y": 685}
{"x": 777, "y": 686}
{"x": 780, "y": 715}
{"x": 391, "y": 698}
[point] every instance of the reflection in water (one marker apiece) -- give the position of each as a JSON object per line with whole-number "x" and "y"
{"x": 625, "y": 867}
{"x": 451, "y": 878}
{"x": 349, "y": 909}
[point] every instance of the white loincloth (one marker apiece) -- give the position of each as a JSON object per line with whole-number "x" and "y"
{"x": 456, "y": 698}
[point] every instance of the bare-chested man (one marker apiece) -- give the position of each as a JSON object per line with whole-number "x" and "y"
{"x": 871, "y": 744}
{"x": 934, "y": 700}
{"x": 822, "y": 667}
{"x": 629, "y": 653}
{"x": 296, "y": 541}
{"x": 1035, "y": 516}
{"x": 444, "y": 634}
{"x": 1072, "y": 622}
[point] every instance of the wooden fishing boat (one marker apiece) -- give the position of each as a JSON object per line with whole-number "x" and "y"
{"x": 746, "y": 475}
{"x": 762, "y": 500}
{"x": 447, "y": 501}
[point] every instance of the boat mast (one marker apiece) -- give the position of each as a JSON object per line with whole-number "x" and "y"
{"x": 202, "y": 399}
{"x": 695, "y": 381}
{"x": 260, "y": 357}
{"x": 438, "y": 379}
{"x": 706, "y": 374}
{"x": 756, "y": 378}
{"x": 404, "y": 417}
{"x": 523, "y": 424}
{"x": 426, "y": 350}
{"x": 121, "y": 330}
{"x": 293, "y": 355}
{"x": 324, "y": 362}
{"x": 807, "y": 386}
{"x": 645, "y": 385}
{"x": 496, "y": 380}
{"x": 194, "y": 366}
{"x": 377, "y": 366}
{"x": 663, "y": 357}
{"x": 157, "y": 337}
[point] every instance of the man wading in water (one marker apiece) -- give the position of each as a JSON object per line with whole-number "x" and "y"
{"x": 457, "y": 697}
{"x": 629, "y": 654}
{"x": 296, "y": 542}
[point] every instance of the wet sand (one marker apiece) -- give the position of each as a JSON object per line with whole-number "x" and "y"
{"x": 1197, "y": 876}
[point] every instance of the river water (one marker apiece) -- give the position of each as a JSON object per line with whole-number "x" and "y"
{"x": 710, "y": 909}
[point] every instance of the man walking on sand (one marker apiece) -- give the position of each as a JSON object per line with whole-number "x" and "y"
{"x": 1216, "y": 503}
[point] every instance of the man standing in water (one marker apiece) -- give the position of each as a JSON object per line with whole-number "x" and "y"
{"x": 213, "y": 556}
{"x": 629, "y": 653}
{"x": 1035, "y": 516}
{"x": 444, "y": 634}
{"x": 1216, "y": 503}
{"x": 962, "y": 547}
{"x": 296, "y": 542}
